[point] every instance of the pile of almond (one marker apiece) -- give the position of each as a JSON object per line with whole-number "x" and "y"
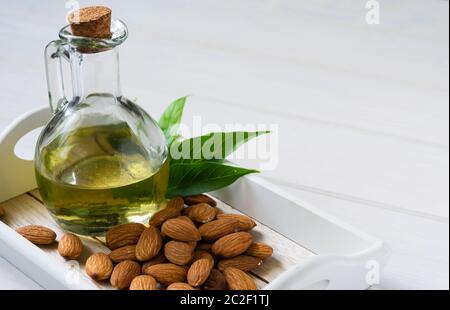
{"x": 183, "y": 248}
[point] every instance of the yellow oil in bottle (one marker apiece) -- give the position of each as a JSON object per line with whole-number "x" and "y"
{"x": 96, "y": 177}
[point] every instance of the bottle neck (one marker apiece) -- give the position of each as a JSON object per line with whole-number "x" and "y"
{"x": 96, "y": 73}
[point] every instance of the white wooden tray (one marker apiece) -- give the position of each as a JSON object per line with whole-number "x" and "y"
{"x": 312, "y": 250}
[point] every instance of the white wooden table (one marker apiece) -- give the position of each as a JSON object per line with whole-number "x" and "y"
{"x": 362, "y": 109}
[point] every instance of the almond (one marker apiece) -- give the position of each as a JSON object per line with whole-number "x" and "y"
{"x": 195, "y": 199}
{"x": 242, "y": 262}
{"x": 199, "y": 254}
{"x": 180, "y": 229}
{"x": 37, "y": 234}
{"x": 167, "y": 273}
{"x": 127, "y": 252}
{"x": 149, "y": 244}
{"x": 123, "y": 235}
{"x": 187, "y": 219}
{"x": 179, "y": 252}
{"x": 216, "y": 281}
{"x": 238, "y": 280}
{"x": 124, "y": 273}
{"x": 260, "y": 250}
{"x": 201, "y": 213}
{"x": 158, "y": 259}
{"x": 172, "y": 210}
{"x": 70, "y": 246}
{"x": 99, "y": 266}
{"x": 144, "y": 283}
{"x": 2, "y": 212}
{"x": 218, "y": 228}
{"x": 199, "y": 271}
{"x": 180, "y": 286}
{"x": 232, "y": 245}
{"x": 245, "y": 223}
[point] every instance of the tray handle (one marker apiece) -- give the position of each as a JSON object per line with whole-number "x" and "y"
{"x": 335, "y": 272}
{"x": 17, "y": 174}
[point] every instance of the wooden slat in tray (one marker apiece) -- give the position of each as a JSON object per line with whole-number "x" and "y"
{"x": 28, "y": 209}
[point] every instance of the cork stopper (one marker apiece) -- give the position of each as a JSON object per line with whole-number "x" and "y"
{"x": 92, "y": 22}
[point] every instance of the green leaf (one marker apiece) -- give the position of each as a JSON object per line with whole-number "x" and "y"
{"x": 192, "y": 177}
{"x": 171, "y": 118}
{"x": 213, "y": 146}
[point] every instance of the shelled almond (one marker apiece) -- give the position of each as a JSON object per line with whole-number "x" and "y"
{"x": 99, "y": 266}
{"x": 180, "y": 286}
{"x": 196, "y": 199}
{"x": 127, "y": 252}
{"x": 172, "y": 210}
{"x": 242, "y": 262}
{"x": 144, "y": 283}
{"x": 238, "y": 279}
{"x": 124, "y": 273}
{"x": 2, "y": 212}
{"x": 182, "y": 248}
{"x": 179, "y": 252}
{"x": 260, "y": 250}
{"x": 232, "y": 245}
{"x": 123, "y": 235}
{"x": 201, "y": 213}
{"x": 199, "y": 271}
{"x": 149, "y": 244}
{"x": 70, "y": 246}
{"x": 37, "y": 234}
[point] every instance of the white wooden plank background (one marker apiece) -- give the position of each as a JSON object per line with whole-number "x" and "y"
{"x": 362, "y": 109}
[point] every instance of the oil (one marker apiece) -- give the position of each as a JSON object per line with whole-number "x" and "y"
{"x": 96, "y": 177}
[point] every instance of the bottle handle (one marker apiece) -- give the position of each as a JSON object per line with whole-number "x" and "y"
{"x": 54, "y": 51}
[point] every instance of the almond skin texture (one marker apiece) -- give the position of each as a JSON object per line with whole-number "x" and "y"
{"x": 201, "y": 213}
{"x": 167, "y": 274}
{"x": 172, "y": 210}
{"x": 185, "y": 218}
{"x": 199, "y": 254}
{"x": 196, "y": 199}
{"x": 37, "y": 234}
{"x": 2, "y": 212}
{"x": 123, "y": 235}
{"x": 179, "y": 252}
{"x": 99, "y": 266}
{"x": 124, "y": 273}
{"x": 180, "y": 229}
{"x": 216, "y": 281}
{"x": 199, "y": 272}
{"x": 244, "y": 222}
{"x": 127, "y": 252}
{"x": 242, "y": 262}
{"x": 149, "y": 244}
{"x": 158, "y": 259}
{"x": 232, "y": 245}
{"x": 218, "y": 228}
{"x": 238, "y": 280}
{"x": 179, "y": 286}
{"x": 259, "y": 250}
{"x": 143, "y": 283}
{"x": 70, "y": 246}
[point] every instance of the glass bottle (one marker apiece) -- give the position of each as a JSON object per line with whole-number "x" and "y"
{"x": 101, "y": 160}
